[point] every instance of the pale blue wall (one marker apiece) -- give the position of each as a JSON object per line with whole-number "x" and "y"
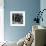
{"x": 30, "y": 7}
{"x": 43, "y": 6}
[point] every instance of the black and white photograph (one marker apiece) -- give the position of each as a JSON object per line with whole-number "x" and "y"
{"x": 17, "y": 18}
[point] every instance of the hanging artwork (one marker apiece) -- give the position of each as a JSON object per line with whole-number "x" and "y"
{"x": 17, "y": 18}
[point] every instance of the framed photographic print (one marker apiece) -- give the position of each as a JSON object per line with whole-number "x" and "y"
{"x": 17, "y": 18}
